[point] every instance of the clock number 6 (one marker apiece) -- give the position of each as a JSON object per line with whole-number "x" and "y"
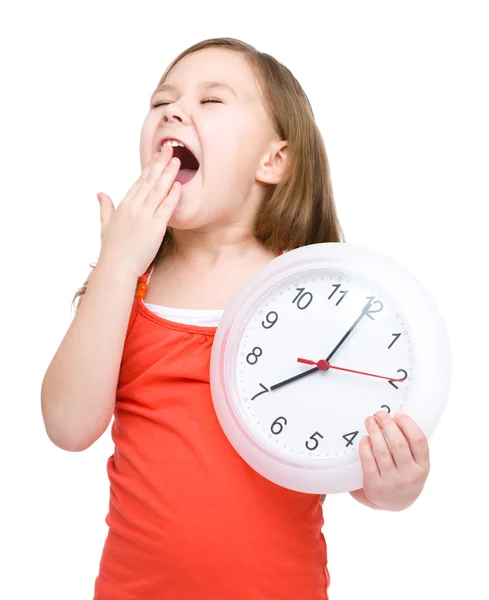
{"x": 276, "y": 422}
{"x": 252, "y": 357}
{"x": 315, "y": 439}
{"x": 399, "y": 371}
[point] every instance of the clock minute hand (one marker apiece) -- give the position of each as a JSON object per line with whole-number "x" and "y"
{"x": 314, "y": 369}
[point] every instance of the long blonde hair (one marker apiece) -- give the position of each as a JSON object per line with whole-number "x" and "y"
{"x": 299, "y": 210}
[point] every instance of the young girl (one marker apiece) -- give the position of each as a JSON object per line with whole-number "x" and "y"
{"x": 188, "y": 518}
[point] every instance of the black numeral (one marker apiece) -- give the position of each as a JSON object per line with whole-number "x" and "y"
{"x": 337, "y": 286}
{"x": 386, "y": 407}
{"x": 396, "y": 337}
{"x": 313, "y": 437}
{"x": 303, "y": 295}
{"x": 271, "y": 323}
{"x": 252, "y": 357}
{"x": 276, "y": 422}
{"x": 399, "y": 371}
{"x": 368, "y": 310}
{"x": 265, "y": 390}
{"x": 349, "y": 437}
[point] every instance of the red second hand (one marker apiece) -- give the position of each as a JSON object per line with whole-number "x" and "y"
{"x": 323, "y": 365}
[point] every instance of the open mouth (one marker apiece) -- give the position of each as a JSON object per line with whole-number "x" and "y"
{"x": 189, "y": 164}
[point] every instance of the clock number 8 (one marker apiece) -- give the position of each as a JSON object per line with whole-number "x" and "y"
{"x": 254, "y": 355}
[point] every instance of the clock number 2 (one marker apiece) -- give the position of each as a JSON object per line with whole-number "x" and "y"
{"x": 399, "y": 371}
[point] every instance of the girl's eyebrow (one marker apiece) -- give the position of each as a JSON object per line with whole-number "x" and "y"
{"x": 203, "y": 84}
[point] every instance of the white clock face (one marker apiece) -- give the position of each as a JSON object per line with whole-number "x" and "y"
{"x": 346, "y": 322}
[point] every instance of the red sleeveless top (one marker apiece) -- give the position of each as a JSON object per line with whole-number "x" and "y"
{"x": 188, "y": 518}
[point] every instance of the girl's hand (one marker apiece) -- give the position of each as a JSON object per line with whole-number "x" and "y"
{"x": 132, "y": 234}
{"x": 393, "y": 478}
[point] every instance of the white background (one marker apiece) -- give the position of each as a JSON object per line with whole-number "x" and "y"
{"x": 399, "y": 90}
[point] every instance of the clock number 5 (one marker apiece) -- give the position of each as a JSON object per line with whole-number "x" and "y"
{"x": 313, "y": 437}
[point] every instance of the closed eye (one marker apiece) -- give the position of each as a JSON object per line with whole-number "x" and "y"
{"x": 203, "y": 102}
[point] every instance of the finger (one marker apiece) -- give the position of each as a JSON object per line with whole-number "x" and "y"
{"x": 417, "y": 440}
{"x": 380, "y": 448}
{"x": 143, "y": 181}
{"x": 166, "y": 208}
{"x": 106, "y": 209}
{"x": 369, "y": 464}
{"x": 163, "y": 184}
{"x": 399, "y": 446}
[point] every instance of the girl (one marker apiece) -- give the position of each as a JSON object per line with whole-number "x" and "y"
{"x": 188, "y": 518}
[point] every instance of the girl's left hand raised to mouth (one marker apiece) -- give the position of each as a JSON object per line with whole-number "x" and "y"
{"x": 394, "y": 477}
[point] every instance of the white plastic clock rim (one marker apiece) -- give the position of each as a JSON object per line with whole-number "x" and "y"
{"x": 427, "y": 331}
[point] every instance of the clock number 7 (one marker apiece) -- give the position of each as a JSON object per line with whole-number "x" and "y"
{"x": 265, "y": 390}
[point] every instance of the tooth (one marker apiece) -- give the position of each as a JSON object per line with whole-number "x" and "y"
{"x": 173, "y": 143}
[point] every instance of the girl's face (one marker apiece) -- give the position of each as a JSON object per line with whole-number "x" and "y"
{"x": 227, "y": 129}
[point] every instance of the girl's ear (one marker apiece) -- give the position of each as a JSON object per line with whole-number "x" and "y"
{"x": 274, "y": 163}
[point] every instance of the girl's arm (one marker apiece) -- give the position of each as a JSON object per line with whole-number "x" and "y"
{"x": 79, "y": 387}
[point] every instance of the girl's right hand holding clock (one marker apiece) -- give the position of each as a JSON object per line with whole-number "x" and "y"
{"x": 132, "y": 234}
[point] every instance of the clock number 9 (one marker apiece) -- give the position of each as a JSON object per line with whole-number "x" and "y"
{"x": 271, "y": 323}
{"x": 252, "y": 357}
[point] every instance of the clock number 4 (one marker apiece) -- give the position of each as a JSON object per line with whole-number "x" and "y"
{"x": 349, "y": 437}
